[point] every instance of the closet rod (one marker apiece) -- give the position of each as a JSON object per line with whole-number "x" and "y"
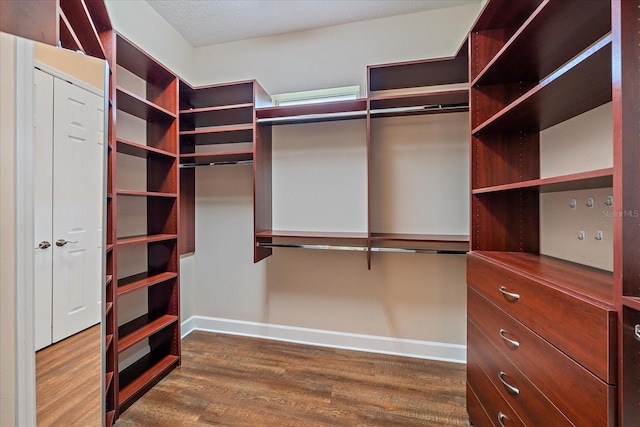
{"x": 230, "y": 163}
{"x": 358, "y": 248}
{"x": 420, "y": 108}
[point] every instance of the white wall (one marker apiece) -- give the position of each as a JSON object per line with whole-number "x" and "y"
{"x": 7, "y": 232}
{"x": 141, "y": 24}
{"x": 334, "y": 56}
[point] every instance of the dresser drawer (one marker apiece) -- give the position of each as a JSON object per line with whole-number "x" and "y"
{"x": 583, "y": 330}
{"x": 477, "y": 415}
{"x": 497, "y": 409}
{"x": 582, "y": 397}
{"x": 531, "y": 406}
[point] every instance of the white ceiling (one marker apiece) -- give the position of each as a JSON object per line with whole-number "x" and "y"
{"x": 207, "y": 22}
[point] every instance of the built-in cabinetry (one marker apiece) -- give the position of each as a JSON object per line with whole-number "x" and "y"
{"x": 145, "y": 203}
{"x": 544, "y": 313}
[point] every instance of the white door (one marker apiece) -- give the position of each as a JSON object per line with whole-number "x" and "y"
{"x": 68, "y": 189}
{"x": 77, "y": 208}
{"x": 43, "y": 206}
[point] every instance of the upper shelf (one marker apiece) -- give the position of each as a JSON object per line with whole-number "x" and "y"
{"x": 216, "y": 116}
{"x": 582, "y": 84}
{"x": 531, "y": 55}
{"x": 601, "y": 178}
{"x": 134, "y": 59}
{"x": 420, "y": 103}
{"x": 217, "y": 158}
{"x": 429, "y": 72}
{"x": 317, "y": 112}
{"x": 140, "y": 107}
{"x": 216, "y": 95}
{"x": 81, "y": 26}
{"x": 233, "y": 134}
{"x": 140, "y": 150}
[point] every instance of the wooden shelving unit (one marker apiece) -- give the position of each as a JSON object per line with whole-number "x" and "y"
{"x": 535, "y": 65}
{"x": 214, "y": 121}
{"x": 156, "y": 109}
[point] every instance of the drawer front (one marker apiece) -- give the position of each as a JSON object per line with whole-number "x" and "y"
{"x": 532, "y": 406}
{"x": 582, "y": 330}
{"x": 582, "y": 397}
{"x": 477, "y": 415}
{"x": 494, "y": 405}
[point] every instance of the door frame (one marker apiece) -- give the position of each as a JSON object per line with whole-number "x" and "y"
{"x": 24, "y": 210}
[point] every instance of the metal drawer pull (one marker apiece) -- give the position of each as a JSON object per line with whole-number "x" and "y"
{"x": 512, "y": 389}
{"x": 501, "y": 418}
{"x": 514, "y": 343}
{"x": 509, "y": 294}
{"x": 637, "y": 330}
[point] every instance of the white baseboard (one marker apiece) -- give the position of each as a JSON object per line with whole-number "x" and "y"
{"x": 455, "y": 353}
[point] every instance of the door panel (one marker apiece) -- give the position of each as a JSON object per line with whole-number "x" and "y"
{"x": 77, "y": 212}
{"x": 43, "y": 212}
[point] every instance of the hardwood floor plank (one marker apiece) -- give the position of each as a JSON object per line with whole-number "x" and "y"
{"x": 236, "y": 381}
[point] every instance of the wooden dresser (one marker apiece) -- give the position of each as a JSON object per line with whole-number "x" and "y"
{"x": 548, "y": 344}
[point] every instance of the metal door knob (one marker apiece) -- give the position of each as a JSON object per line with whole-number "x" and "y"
{"x": 62, "y": 242}
{"x": 43, "y": 245}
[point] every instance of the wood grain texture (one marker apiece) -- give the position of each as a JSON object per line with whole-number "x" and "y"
{"x": 237, "y": 381}
{"x": 61, "y": 370}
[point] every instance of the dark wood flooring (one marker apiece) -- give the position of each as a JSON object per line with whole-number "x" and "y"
{"x": 228, "y": 380}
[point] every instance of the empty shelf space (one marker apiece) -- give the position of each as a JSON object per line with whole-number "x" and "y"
{"x": 140, "y": 150}
{"x": 141, "y": 328}
{"x": 631, "y": 302}
{"x": 427, "y": 72}
{"x": 140, "y": 107}
{"x": 149, "y": 238}
{"x": 80, "y": 20}
{"x": 150, "y": 374}
{"x": 580, "y": 280}
{"x": 420, "y": 103}
{"x": 107, "y": 381}
{"x": 131, "y": 57}
{"x": 135, "y": 193}
{"x": 228, "y": 157}
{"x": 216, "y": 116}
{"x": 531, "y": 54}
{"x": 318, "y": 112}
{"x": 219, "y": 135}
{"x": 143, "y": 280}
{"x": 581, "y": 85}
{"x": 601, "y": 178}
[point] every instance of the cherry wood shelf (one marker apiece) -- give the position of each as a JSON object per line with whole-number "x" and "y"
{"x": 143, "y": 280}
{"x": 107, "y": 381}
{"x": 108, "y": 341}
{"x": 108, "y": 308}
{"x": 218, "y": 135}
{"x": 216, "y": 116}
{"x": 150, "y": 376}
{"x": 141, "y": 328}
{"x": 429, "y": 72}
{"x": 68, "y": 37}
{"x": 631, "y": 302}
{"x": 531, "y": 55}
{"x": 80, "y": 20}
{"x": 311, "y": 235}
{"x": 427, "y": 238}
{"x": 601, "y": 178}
{"x": 217, "y": 157}
{"x": 108, "y": 279}
{"x": 309, "y": 113}
{"x": 133, "y": 104}
{"x": 140, "y": 150}
{"x": 568, "y": 92}
{"x": 129, "y": 56}
{"x": 576, "y": 279}
{"x": 137, "y": 240}
{"x": 135, "y": 193}
{"x": 455, "y": 100}
{"x": 217, "y": 95}
{"x": 110, "y": 247}
{"x": 109, "y": 418}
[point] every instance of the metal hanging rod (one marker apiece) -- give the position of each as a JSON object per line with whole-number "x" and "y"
{"x": 358, "y": 248}
{"x": 420, "y": 108}
{"x": 229, "y": 163}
